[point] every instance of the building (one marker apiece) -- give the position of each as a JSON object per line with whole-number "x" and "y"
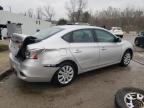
{"x": 28, "y": 25}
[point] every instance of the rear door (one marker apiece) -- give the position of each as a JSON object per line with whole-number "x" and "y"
{"x": 84, "y": 48}
{"x": 110, "y": 51}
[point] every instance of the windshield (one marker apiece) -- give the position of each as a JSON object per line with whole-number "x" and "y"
{"x": 47, "y": 33}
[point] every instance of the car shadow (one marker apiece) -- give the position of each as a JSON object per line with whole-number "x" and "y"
{"x": 39, "y": 87}
{"x": 102, "y": 71}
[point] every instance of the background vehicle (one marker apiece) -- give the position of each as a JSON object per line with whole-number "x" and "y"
{"x": 117, "y": 31}
{"x": 59, "y": 53}
{"x": 139, "y": 41}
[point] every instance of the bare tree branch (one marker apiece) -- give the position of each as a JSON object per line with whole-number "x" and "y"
{"x": 30, "y": 13}
{"x": 75, "y": 8}
{"x": 49, "y": 13}
{"x": 39, "y": 13}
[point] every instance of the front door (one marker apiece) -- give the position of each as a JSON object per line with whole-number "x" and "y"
{"x": 110, "y": 51}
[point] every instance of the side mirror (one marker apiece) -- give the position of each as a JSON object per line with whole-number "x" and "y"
{"x": 117, "y": 39}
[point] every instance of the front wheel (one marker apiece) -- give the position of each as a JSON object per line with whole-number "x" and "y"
{"x": 65, "y": 74}
{"x": 126, "y": 58}
{"x": 121, "y": 36}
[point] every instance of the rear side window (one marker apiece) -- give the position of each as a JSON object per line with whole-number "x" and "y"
{"x": 68, "y": 37}
{"x": 47, "y": 33}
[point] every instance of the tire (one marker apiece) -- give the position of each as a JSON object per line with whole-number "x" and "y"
{"x": 129, "y": 97}
{"x": 126, "y": 58}
{"x": 64, "y": 75}
{"x": 137, "y": 42}
{"x": 121, "y": 36}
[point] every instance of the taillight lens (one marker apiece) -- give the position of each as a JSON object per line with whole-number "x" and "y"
{"x": 33, "y": 54}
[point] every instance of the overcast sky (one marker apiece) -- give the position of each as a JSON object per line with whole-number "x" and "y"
{"x": 59, "y": 5}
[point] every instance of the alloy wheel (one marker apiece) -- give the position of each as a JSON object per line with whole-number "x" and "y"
{"x": 65, "y": 74}
{"x": 127, "y": 58}
{"x": 134, "y": 100}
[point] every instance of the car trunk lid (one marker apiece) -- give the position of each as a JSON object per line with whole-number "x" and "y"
{"x": 18, "y": 45}
{"x": 16, "y": 42}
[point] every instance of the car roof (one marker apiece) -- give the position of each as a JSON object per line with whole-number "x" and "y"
{"x": 73, "y": 27}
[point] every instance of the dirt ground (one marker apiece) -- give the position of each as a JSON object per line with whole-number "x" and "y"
{"x": 95, "y": 89}
{"x": 4, "y": 59}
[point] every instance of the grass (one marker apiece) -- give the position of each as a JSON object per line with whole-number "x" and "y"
{"x": 3, "y": 47}
{"x": 4, "y": 55}
{"x": 4, "y": 60}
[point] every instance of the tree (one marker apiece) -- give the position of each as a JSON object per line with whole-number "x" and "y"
{"x": 49, "y": 13}
{"x": 30, "y": 13}
{"x": 39, "y": 13}
{"x": 75, "y": 9}
{"x": 71, "y": 8}
{"x": 62, "y": 22}
{"x": 86, "y": 17}
{"x": 128, "y": 18}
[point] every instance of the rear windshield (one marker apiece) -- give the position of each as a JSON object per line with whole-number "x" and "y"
{"x": 47, "y": 33}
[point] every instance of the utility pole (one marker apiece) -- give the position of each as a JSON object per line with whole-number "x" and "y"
{"x": 10, "y": 9}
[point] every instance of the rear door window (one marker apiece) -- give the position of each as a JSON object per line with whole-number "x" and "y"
{"x": 82, "y": 36}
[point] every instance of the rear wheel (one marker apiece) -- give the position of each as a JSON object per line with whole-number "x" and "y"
{"x": 126, "y": 58}
{"x": 65, "y": 74}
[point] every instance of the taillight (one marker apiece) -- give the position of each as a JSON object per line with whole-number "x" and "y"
{"x": 33, "y": 54}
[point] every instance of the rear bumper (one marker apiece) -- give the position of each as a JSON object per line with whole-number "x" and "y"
{"x": 32, "y": 70}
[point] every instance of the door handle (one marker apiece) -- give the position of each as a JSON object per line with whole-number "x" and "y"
{"x": 77, "y": 51}
{"x": 103, "y": 48}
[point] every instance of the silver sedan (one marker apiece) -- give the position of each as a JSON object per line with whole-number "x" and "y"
{"x": 60, "y": 53}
